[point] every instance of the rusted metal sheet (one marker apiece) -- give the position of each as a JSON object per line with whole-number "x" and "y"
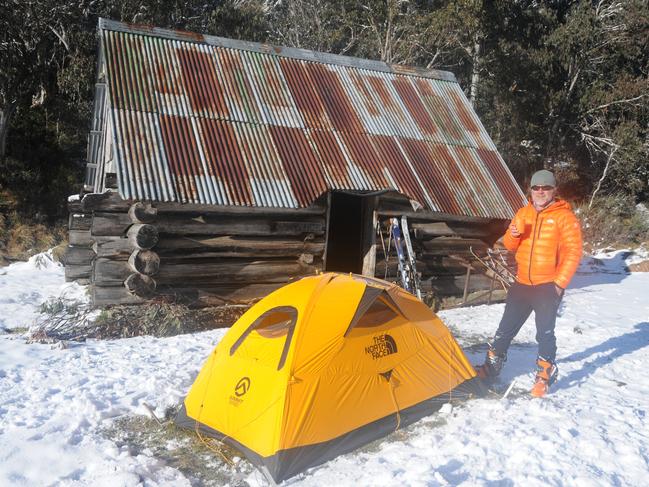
{"x": 201, "y": 119}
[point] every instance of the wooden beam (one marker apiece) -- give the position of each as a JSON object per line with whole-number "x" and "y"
{"x": 142, "y": 213}
{"x": 142, "y": 236}
{"x": 145, "y": 262}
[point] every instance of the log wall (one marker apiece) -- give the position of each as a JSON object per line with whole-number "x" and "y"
{"x": 442, "y": 244}
{"x": 79, "y": 255}
{"x": 131, "y": 252}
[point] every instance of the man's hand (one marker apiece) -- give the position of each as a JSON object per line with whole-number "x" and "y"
{"x": 558, "y": 289}
{"x": 514, "y": 230}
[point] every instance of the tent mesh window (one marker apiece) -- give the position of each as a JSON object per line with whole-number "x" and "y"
{"x": 276, "y": 323}
{"x": 379, "y": 313}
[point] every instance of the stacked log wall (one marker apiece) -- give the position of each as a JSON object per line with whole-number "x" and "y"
{"x": 79, "y": 255}
{"x": 197, "y": 254}
{"x": 443, "y": 247}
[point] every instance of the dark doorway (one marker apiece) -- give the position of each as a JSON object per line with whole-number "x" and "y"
{"x": 350, "y": 225}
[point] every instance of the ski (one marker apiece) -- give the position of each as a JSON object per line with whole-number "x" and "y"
{"x": 403, "y": 264}
{"x": 411, "y": 257}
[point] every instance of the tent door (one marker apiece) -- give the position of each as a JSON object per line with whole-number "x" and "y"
{"x": 350, "y": 233}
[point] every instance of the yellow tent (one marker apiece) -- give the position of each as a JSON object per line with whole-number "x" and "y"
{"x": 323, "y": 366}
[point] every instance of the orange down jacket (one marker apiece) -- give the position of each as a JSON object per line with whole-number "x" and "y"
{"x": 549, "y": 247}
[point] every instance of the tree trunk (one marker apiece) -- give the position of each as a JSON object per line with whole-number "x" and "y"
{"x": 6, "y": 114}
{"x": 475, "y": 72}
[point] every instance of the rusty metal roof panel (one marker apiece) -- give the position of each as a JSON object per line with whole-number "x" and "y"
{"x": 200, "y": 119}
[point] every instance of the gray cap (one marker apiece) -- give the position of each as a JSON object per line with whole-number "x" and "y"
{"x": 543, "y": 178}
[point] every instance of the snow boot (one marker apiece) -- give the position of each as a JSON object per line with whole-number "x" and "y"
{"x": 546, "y": 375}
{"x": 492, "y": 366}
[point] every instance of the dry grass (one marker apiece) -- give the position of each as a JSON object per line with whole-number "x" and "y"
{"x": 20, "y": 240}
{"x": 180, "y": 449}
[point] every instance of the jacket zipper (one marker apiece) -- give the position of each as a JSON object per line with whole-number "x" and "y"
{"x": 534, "y": 235}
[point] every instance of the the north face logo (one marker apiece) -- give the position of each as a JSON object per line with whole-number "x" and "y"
{"x": 383, "y": 345}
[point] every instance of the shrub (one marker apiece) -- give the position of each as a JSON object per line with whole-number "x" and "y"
{"x": 63, "y": 319}
{"x": 613, "y": 221}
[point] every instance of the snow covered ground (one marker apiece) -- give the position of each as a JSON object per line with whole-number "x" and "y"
{"x": 59, "y": 405}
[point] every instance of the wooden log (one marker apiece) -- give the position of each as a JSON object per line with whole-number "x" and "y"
{"x": 107, "y": 272}
{"x": 145, "y": 262}
{"x": 227, "y": 246}
{"x": 116, "y": 248}
{"x": 77, "y": 272}
{"x": 115, "y": 224}
{"x": 78, "y": 256}
{"x": 140, "y": 285}
{"x": 238, "y": 226}
{"x": 110, "y": 296}
{"x": 110, "y": 224}
{"x": 218, "y": 295}
{"x": 450, "y": 245}
{"x": 448, "y": 229}
{"x": 165, "y": 208}
{"x": 227, "y": 272}
{"x": 142, "y": 236}
{"x": 80, "y": 238}
{"x": 74, "y": 204}
{"x": 105, "y": 202}
{"x": 142, "y": 213}
{"x": 428, "y": 216}
{"x": 78, "y": 221}
{"x": 425, "y": 268}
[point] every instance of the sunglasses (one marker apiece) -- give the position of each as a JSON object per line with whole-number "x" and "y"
{"x": 542, "y": 188}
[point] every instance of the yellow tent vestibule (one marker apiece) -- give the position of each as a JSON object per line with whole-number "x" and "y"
{"x": 322, "y": 366}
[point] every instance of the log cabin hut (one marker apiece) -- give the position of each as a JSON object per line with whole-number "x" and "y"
{"x": 218, "y": 170}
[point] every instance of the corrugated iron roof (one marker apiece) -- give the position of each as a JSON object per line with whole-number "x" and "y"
{"x": 202, "y": 119}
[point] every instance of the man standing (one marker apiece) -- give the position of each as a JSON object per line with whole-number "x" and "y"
{"x": 546, "y": 236}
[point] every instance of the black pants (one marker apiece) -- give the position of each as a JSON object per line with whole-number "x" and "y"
{"x": 521, "y": 301}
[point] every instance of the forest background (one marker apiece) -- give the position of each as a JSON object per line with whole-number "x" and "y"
{"x": 558, "y": 84}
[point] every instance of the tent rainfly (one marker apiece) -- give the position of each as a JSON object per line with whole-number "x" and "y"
{"x": 322, "y": 366}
